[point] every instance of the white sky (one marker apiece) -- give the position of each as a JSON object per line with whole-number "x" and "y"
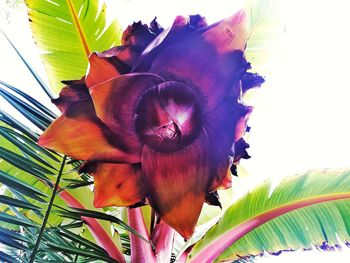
{"x": 301, "y": 116}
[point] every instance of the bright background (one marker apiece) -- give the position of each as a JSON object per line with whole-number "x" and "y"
{"x": 301, "y": 116}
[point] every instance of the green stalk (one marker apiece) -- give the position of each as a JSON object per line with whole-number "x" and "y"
{"x": 48, "y": 211}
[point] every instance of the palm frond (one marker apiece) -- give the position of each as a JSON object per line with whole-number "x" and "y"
{"x": 27, "y": 172}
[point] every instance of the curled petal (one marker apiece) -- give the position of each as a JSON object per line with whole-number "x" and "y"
{"x": 221, "y": 127}
{"x": 115, "y": 102}
{"x": 251, "y": 80}
{"x": 241, "y": 150}
{"x": 81, "y": 135}
{"x": 116, "y": 184}
{"x": 241, "y": 122}
{"x": 213, "y": 61}
{"x": 75, "y": 91}
{"x": 177, "y": 183}
{"x": 213, "y": 199}
{"x": 139, "y": 34}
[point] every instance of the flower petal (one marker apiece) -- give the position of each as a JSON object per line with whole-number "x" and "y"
{"x": 139, "y": 34}
{"x": 74, "y": 91}
{"x": 213, "y": 199}
{"x": 229, "y": 34}
{"x": 251, "y": 80}
{"x": 100, "y": 69}
{"x": 212, "y": 61}
{"x": 116, "y": 184}
{"x": 119, "y": 60}
{"x": 178, "y": 32}
{"x": 115, "y": 102}
{"x": 81, "y": 135}
{"x": 221, "y": 127}
{"x": 241, "y": 150}
{"x": 177, "y": 184}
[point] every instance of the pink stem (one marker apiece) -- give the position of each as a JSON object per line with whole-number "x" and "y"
{"x": 184, "y": 255}
{"x": 163, "y": 238}
{"x": 141, "y": 251}
{"x": 214, "y": 249}
{"x": 101, "y": 236}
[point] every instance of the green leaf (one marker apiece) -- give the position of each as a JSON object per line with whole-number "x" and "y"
{"x": 17, "y": 203}
{"x": 31, "y": 69}
{"x": 266, "y": 30}
{"x": 82, "y": 241}
{"x": 22, "y": 143}
{"x": 13, "y": 234}
{"x": 14, "y": 220}
{"x": 30, "y": 112}
{"x": 22, "y": 187}
{"x": 9, "y": 120}
{"x": 35, "y": 102}
{"x": 29, "y": 143}
{"x": 98, "y": 215}
{"x": 25, "y": 164}
{"x": 7, "y": 258}
{"x": 8, "y": 241}
{"x": 68, "y": 31}
{"x": 48, "y": 211}
{"x": 77, "y": 251}
{"x": 305, "y": 210}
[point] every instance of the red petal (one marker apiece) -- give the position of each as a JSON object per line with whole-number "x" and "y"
{"x": 221, "y": 129}
{"x": 213, "y": 61}
{"x": 177, "y": 184}
{"x": 115, "y": 102}
{"x": 117, "y": 184}
{"x": 81, "y": 135}
{"x": 74, "y": 91}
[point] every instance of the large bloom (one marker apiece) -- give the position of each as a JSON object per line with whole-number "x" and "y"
{"x": 161, "y": 117}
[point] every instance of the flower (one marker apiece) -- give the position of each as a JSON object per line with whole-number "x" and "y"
{"x": 160, "y": 118}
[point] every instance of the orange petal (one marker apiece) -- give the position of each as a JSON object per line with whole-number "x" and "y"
{"x": 221, "y": 127}
{"x": 100, "y": 69}
{"x": 117, "y": 184}
{"x": 177, "y": 184}
{"x": 81, "y": 135}
{"x": 115, "y": 102}
{"x": 212, "y": 61}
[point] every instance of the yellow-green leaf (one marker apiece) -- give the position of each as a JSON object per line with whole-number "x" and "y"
{"x": 67, "y": 31}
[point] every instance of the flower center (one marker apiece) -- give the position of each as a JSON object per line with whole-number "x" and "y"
{"x": 168, "y": 116}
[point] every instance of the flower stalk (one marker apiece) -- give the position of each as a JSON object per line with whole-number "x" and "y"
{"x": 140, "y": 250}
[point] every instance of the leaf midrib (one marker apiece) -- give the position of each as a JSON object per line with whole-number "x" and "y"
{"x": 78, "y": 28}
